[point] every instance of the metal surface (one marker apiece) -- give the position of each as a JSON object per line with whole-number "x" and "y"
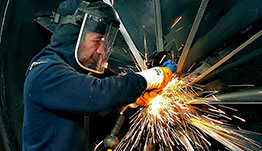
{"x": 158, "y": 24}
{"x": 190, "y": 38}
{"x": 238, "y": 49}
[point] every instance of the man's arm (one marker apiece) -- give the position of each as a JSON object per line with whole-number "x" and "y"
{"x": 64, "y": 89}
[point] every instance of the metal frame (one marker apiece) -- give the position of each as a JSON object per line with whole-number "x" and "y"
{"x": 158, "y": 26}
{"x": 130, "y": 42}
{"x": 235, "y": 51}
{"x": 132, "y": 46}
{"x": 191, "y": 36}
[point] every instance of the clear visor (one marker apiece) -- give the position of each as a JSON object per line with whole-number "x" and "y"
{"x": 94, "y": 44}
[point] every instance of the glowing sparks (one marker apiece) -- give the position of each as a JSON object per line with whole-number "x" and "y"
{"x": 176, "y": 21}
{"x": 171, "y": 121}
{"x": 243, "y": 120}
{"x": 156, "y": 106}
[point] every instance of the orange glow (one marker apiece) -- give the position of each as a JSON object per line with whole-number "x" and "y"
{"x": 170, "y": 119}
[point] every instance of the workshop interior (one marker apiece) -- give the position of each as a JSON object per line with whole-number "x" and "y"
{"x": 215, "y": 43}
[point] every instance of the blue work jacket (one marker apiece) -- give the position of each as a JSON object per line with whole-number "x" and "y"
{"x": 58, "y": 93}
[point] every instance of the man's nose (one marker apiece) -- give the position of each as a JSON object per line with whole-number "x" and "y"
{"x": 101, "y": 49}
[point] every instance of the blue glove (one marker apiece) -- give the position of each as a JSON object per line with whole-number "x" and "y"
{"x": 171, "y": 65}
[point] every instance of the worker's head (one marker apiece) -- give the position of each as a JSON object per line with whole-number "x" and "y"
{"x": 99, "y": 27}
{"x": 91, "y": 49}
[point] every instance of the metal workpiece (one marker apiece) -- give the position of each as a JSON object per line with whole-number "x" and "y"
{"x": 198, "y": 71}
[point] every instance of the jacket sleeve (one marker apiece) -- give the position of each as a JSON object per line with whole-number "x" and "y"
{"x": 64, "y": 89}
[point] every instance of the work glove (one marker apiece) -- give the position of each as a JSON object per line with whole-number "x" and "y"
{"x": 157, "y": 78}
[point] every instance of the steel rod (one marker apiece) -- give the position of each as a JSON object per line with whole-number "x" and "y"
{"x": 158, "y": 24}
{"x": 191, "y": 36}
{"x": 238, "y": 49}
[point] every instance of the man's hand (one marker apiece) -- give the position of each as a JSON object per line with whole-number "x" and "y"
{"x": 146, "y": 98}
{"x": 160, "y": 77}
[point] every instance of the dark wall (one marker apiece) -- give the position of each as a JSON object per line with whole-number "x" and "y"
{"x": 22, "y": 38}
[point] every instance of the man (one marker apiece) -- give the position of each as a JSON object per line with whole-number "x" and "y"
{"x": 59, "y": 90}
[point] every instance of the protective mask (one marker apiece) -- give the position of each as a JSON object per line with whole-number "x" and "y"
{"x": 99, "y": 26}
{"x": 94, "y": 44}
{"x": 95, "y": 40}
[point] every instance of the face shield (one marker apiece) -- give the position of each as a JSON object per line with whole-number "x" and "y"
{"x": 94, "y": 44}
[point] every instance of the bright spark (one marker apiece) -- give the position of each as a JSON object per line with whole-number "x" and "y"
{"x": 176, "y": 21}
{"x": 170, "y": 120}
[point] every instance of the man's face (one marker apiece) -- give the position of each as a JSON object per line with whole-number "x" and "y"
{"x": 91, "y": 48}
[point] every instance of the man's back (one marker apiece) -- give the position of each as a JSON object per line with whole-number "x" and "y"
{"x": 44, "y": 129}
